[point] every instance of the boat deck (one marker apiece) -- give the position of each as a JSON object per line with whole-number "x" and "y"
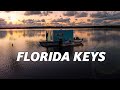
{"x": 56, "y": 44}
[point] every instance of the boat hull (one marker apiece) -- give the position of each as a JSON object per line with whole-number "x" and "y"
{"x": 56, "y": 44}
{"x": 49, "y": 44}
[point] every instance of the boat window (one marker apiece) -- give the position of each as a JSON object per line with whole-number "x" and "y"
{"x": 60, "y": 34}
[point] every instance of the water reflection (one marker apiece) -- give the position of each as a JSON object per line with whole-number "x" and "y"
{"x": 3, "y": 34}
{"x": 62, "y": 50}
{"x": 105, "y": 36}
{"x": 13, "y": 41}
{"x": 14, "y": 66}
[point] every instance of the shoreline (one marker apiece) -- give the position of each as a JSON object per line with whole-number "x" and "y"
{"x": 60, "y": 27}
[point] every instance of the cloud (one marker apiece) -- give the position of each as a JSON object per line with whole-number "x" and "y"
{"x": 56, "y": 24}
{"x": 76, "y": 14}
{"x": 106, "y": 17}
{"x": 42, "y": 13}
{"x": 69, "y": 13}
{"x": 97, "y": 21}
{"x": 100, "y": 14}
{"x": 88, "y": 20}
{"x": 114, "y": 16}
{"x": 28, "y": 21}
{"x": 2, "y": 22}
{"x": 38, "y": 20}
{"x": 43, "y": 20}
{"x": 76, "y": 19}
{"x": 100, "y": 21}
{"x": 32, "y": 13}
{"x": 32, "y": 21}
{"x": 115, "y": 23}
{"x": 61, "y": 20}
{"x": 83, "y": 24}
{"x": 8, "y": 11}
{"x": 45, "y": 13}
{"x": 81, "y": 14}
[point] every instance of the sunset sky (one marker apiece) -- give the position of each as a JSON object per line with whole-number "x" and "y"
{"x": 58, "y": 18}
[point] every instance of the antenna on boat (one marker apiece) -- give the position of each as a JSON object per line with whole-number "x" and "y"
{"x": 46, "y": 35}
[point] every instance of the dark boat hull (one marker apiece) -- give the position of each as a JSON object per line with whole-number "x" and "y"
{"x": 56, "y": 44}
{"x": 49, "y": 44}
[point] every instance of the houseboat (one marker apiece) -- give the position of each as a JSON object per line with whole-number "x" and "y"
{"x": 60, "y": 38}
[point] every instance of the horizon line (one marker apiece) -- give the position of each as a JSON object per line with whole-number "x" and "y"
{"x": 96, "y": 26}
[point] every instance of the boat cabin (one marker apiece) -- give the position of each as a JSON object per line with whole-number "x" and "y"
{"x": 57, "y": 35}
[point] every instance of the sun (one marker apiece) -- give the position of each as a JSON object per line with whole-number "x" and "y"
{"x": 13, "y": 19}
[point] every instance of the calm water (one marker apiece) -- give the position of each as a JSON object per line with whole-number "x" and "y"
{"x": 107, "y": 40}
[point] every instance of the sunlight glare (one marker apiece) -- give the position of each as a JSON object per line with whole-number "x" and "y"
{"x": 13, "y": 18}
